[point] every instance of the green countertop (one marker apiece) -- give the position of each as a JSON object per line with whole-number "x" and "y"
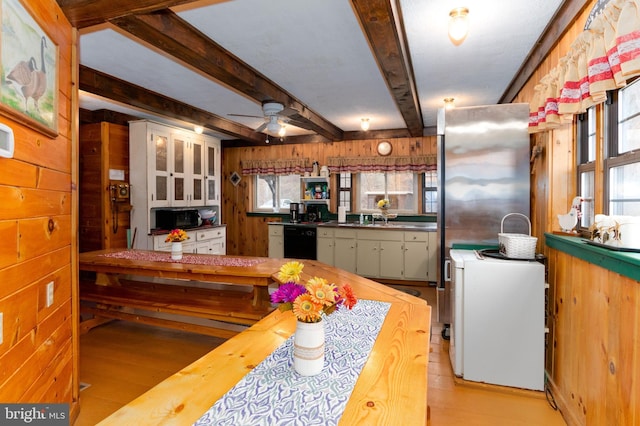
{"x": 622, "y": 262}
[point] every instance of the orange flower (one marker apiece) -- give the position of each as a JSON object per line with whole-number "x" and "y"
{"x": 305, "y": 309}
{"x": 349, "y": 298}
{"x": 321, "y": 292}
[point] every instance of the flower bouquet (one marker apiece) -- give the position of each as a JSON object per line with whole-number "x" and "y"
{"x": 384, "y": 205}
{"x": 309, "y": 303}
{"x": 176, "y": 236}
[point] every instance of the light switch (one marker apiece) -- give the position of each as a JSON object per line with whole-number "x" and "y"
{"x": 50, "y": 294}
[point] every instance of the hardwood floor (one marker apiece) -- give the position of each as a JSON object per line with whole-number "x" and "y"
{"x": 122, "y": 360}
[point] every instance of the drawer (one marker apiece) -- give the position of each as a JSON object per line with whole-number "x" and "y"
{"x": 276, "y": 230}
{"x": 345, "y": 233}
{"x": 160, "y": 244}
{"x": 416, "y": 236}
{"x": 324, "y": 233}
{"x": 379, "y": 235}
{"x": 208, "y": 234}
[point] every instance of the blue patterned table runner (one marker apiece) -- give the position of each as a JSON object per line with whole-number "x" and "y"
{"x": 274, "y": 394}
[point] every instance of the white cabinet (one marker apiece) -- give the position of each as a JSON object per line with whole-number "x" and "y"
{"x": 325, "y": 246}
{"x": 276, "y": 241}
{"x": 315, "y": 190}
{"x": 344, "y": 245}
{"x": 170, "y": 167}
{"x": 212, "y": 164}
{"x": 202, "y": 241}
{"x": 211, "y": 240}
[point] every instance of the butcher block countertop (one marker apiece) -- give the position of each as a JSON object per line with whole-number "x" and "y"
{"x": 391, "y": 388}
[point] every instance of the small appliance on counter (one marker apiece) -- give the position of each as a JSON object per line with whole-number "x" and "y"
{"x": 317, "y": 212}
{"x": 295, "y": 212}
{"x": 177, "y": 218}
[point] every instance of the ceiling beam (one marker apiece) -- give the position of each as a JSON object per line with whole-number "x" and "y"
{"x": 384, "y": 30}
{"x": 169, "y": 33}
{"x": 123, "y": 92}
{"x": 566, "y": 14}
{"x": 85, "y": 13}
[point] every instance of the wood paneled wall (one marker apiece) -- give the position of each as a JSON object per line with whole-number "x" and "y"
{"x": 595, "y": 363}
{"x": 38, "y": 355}
{"x": 249, "y": 235}
{"x": 594, "y": 358}
{"x": 103, "y": 146}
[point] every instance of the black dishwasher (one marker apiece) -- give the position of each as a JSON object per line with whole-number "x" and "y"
{"x": 300, "y": 242}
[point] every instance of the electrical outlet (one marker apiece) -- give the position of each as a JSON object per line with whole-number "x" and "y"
{"x": 50, "y": 294}
{"x": 1, "y": 327}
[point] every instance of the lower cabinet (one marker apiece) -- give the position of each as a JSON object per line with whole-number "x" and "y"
{"x": 380, "y": 254}
{"x": 373, "y": 253}
{"x": 203, "y": 241}
{"x": 276, "y": 241}
{"x": 345, "y": 244}
{"x": 325, "y": 246}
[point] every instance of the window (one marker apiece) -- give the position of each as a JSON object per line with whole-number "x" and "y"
{"x": 622, "y": 160}
{"x": 400, "y": 188}
{"x": 344, "y": 190}
{"x": 430, "y": 187}
{"x": 586, "y": 164}
{"x": 278, "y": 191}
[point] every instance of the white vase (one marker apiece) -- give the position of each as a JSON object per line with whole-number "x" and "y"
{"x": 176, "y": 250}
{"x": 308, "y": 348}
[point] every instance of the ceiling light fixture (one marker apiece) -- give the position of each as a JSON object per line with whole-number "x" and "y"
{"x": 458, "y": 25}
{"x": 364, "y": 124}
{"x": 198, "y": 129}
{"x": 449, "y": 103}
{"x": 282, "y": 132}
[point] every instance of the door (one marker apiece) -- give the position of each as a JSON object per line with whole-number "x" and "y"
{"x": 197, "y": 173}
{"x": 368, "y": 258}
{"x": 345, "y": 254}
{"x": 178, "y": 174}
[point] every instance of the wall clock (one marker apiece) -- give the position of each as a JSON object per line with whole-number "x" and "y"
{"x": 384, "y": 148}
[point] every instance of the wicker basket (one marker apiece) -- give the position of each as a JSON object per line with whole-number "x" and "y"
{"x": 517, "y": 246}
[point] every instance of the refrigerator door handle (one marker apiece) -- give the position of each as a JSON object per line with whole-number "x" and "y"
{"x": 447, "y": 270}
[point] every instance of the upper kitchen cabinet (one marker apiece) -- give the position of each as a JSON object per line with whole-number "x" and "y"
{"x": 212, "y": 171}
{"x": 175, "y": 168}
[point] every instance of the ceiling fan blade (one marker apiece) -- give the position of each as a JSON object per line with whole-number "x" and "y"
{"x": 244, "y": 115}
{"x": 261, "y": 127}
{"x": 288, "y": 111}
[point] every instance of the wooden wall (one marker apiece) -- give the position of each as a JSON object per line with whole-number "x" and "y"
{"x": 594, "y": 359}
{"x": 103, "y": 146}
{"x": 39, "y": 353}
{"x": 249, "y": 235}
{"x": 595, "y": 363}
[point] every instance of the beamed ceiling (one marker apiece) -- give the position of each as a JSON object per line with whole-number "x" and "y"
{"x": 213, "y": 63}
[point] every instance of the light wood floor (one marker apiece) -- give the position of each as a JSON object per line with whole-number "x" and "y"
{"x": 122, "y": 360}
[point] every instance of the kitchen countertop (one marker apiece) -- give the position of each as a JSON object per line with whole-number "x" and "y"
{"x": 399, "y": 226}
{"x": 198, "y": 228}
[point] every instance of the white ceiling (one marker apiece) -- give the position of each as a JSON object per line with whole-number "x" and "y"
{"x": 316, "y": 50}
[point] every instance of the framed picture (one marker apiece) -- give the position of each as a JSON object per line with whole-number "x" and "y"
{"x": 29, "y": 67}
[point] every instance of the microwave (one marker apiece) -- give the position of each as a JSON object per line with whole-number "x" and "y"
{"x": 177, "y": 219}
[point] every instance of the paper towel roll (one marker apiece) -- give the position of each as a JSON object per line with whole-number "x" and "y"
{"x": 342, "y": 214}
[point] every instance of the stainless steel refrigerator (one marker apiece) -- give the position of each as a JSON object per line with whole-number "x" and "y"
{"x": 483, "y": 174}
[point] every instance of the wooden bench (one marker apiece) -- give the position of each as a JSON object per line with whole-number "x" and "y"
{"x": 199, "y": 298}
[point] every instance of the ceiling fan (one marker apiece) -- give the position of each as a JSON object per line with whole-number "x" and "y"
{"x": 276, "y": 117}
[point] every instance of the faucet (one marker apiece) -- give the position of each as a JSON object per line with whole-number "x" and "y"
{"x": 373, "y": 219}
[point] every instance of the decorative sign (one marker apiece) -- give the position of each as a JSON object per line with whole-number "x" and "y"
{"x": 235, "y": 178}
{"x": 29, "y": 60}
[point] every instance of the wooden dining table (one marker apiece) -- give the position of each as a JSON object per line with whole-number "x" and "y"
{"x": 390, "y": 390}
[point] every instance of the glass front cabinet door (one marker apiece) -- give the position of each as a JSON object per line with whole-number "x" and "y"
{"x": 212, "y": 162}
{"x": 159, "y": 174}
